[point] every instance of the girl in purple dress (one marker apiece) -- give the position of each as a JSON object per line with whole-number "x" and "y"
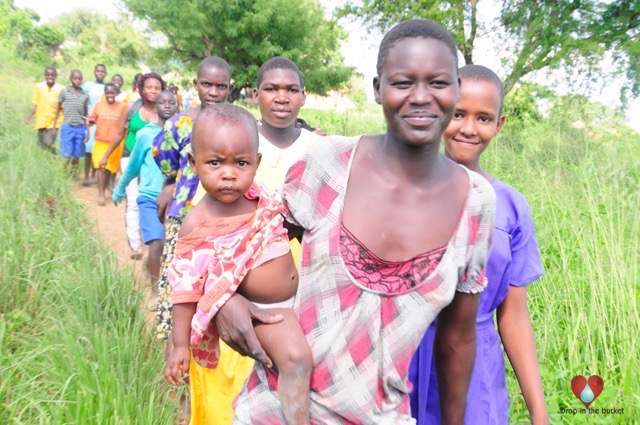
{"x": 514, "y": 262}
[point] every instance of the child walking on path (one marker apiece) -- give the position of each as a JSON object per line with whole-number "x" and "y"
{"x": 133, "y": 118}
{"x": 45, "y": 101}
{"x": 233, "y": 240}
{"x": 514, "y": 262}
{"x": 141, "y": 163}
{"x": 73, "y": 134}
{"x": 106, "y": 117}
{"x": 95, "y": 90}
{"x": 171, "y": 153}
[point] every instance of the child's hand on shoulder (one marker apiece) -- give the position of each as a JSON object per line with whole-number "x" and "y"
{"x": 177, "y": 364}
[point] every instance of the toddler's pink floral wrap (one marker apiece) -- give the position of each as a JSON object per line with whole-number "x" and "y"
{"x": 212, "y": 260}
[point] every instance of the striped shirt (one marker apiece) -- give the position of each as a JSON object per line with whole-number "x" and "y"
{"x": 76, "y": 106}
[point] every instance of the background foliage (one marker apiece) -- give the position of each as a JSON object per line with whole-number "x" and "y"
{"x": 248, "y": 32}
{"x": 536, "y": 34}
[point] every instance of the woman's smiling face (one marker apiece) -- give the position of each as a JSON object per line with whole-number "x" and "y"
{"x": 418, "y": 90}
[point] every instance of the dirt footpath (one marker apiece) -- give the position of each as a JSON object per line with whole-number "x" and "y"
{"x": 109, "y": 221}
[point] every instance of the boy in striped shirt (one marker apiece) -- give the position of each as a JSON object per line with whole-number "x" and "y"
{"x": 73, "y": 134}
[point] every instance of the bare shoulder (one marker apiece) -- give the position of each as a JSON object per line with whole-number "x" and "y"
{"x": 190, "y": 221}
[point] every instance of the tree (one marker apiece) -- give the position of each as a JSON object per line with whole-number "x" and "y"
{"x": 40, "y": 42}
{"x": 112, "y": 42}
{"x": 541, "y": 33}
{"x": 248, "y": 32}
{"x": 620, "y": 32}
{"x": 18, "y": 27}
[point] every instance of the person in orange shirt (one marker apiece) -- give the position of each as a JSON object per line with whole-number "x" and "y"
{"x": 106, "y": 116}
{"x": 45, "y": 101}
{"x": 176, "y": 91}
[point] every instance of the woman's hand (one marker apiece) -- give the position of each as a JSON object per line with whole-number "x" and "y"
{"x": 235, "y": 326}
{"x": 103, "y": 162}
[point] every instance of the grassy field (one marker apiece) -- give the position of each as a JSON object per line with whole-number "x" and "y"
{"x": 74, "y": 347}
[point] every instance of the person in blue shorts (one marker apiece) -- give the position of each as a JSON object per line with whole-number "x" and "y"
{"x": 73, "y": 133}
{"x": 142, "y": 163}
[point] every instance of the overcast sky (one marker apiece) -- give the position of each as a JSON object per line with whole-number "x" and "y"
{"x": 360, "y": 50}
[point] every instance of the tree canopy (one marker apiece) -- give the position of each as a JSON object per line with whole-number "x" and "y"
{"x": 18, "y": 27}
{"x": 540, "y": 33}
{"x": 248, "y": 32}
{"x": 91, "y": 35}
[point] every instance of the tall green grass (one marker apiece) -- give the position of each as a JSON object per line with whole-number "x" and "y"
{"x": 74, "y": 346}
{"x": 583, "y": 189}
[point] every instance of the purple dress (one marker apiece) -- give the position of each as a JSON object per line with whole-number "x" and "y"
{"x": 514, "y": 260}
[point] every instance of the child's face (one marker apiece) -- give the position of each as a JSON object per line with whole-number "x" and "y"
{"x": 225, "y": 158}
{"x": 76, "y": 79}
{"x": 212, "y": 85}
{"x": 110, "y": 94}
{"x": 50, "y": 77}
{"x": 117, "y": 81}
{"x": 166, "y": 105}
{"x": 418, "y": 90}
{"x": 151, "y": 89}
{"x": 475, "y": 122}
{"x": 280, "y": 97}
{"x": 100, "y": 72}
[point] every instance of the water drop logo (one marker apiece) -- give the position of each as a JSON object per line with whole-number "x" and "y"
{"x": 587, "y": 390}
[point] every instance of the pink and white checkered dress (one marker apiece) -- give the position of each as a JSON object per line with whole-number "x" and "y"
{"x": 362, "y": 340}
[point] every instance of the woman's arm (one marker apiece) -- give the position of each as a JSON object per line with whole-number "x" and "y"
{"x": 455, "y": 352}
{"x": 517, "y": 337}
{"x": 234, "y": 321}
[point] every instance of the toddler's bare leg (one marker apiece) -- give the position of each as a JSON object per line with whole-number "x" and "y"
{"x": 287, "y": 347}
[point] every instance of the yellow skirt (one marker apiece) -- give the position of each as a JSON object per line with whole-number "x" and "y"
{"x": 213, "y": 390}
{"x": 113, "y": 163}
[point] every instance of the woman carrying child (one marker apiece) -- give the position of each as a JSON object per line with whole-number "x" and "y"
{"x": 393, "y": 233}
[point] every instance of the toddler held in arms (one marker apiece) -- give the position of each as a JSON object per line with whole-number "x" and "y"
{"x": 233, "y": 240}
